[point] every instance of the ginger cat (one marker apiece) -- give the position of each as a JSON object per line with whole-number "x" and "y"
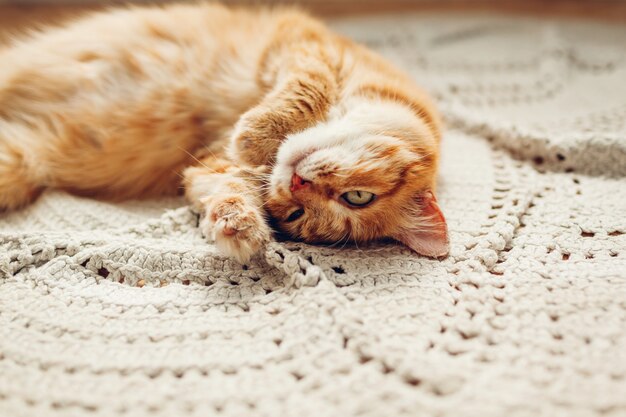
{"x": 267, "y": 116}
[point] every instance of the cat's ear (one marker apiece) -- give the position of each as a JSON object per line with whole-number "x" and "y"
{"x": 428, "y": 234}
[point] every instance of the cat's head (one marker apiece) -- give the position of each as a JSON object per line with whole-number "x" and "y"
{"x": 366, "y": 173}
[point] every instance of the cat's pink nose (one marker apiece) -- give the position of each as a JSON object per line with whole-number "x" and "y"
{"x": 298, "y": 183}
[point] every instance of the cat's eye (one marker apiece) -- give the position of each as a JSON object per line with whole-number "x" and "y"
{"x": 358, "y": 198}
{"x": 295, "y": 215}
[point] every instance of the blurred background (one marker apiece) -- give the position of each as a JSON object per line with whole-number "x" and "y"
{"x": 19, "y": 14}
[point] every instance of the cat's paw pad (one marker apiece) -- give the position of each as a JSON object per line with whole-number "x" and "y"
{"x": 237, "y": 228}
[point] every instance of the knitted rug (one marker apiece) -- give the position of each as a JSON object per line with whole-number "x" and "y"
{"x": 110, "y": 309}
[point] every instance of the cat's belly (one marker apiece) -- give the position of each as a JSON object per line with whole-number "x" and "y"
{"x": 116, "y": 110}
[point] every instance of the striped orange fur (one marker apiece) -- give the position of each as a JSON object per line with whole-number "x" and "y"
{"x": 240, "y": 103}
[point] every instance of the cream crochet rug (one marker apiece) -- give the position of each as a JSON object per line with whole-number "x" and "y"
{"x": 124, "y": 309}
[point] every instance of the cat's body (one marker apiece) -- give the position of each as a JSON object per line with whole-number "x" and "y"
{"x": 120, "y": 104}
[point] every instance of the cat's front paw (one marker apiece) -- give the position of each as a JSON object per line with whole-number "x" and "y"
{"x": 256, "y": 137}
{"x": 237, "y": 227}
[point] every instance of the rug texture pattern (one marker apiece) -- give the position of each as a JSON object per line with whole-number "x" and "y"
{"x": 124, "y": 309}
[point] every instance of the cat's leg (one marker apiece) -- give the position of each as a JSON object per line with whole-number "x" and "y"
{"x": 19, "y": 184}
{"x": 229, "y": 199}
{"x": 301, "y": 76}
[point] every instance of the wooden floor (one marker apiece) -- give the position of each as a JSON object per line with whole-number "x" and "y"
{"x": 17, "y": 18}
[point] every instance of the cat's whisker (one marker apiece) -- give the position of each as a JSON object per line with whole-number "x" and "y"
{"x": 344, "y": 236}
{"x": 208, "y": 149}
{"x": 347, "y": 237}
{"x": 357, "y": 245}
{"x": 264, "y": 204}
{"x": 259, "y": 188}
{"x": 198, "y": 161}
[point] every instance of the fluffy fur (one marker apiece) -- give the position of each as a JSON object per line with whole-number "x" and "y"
{"x": 239, "y": 104}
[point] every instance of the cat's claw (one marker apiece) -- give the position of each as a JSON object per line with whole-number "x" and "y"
{"x": 237, "y": 227}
